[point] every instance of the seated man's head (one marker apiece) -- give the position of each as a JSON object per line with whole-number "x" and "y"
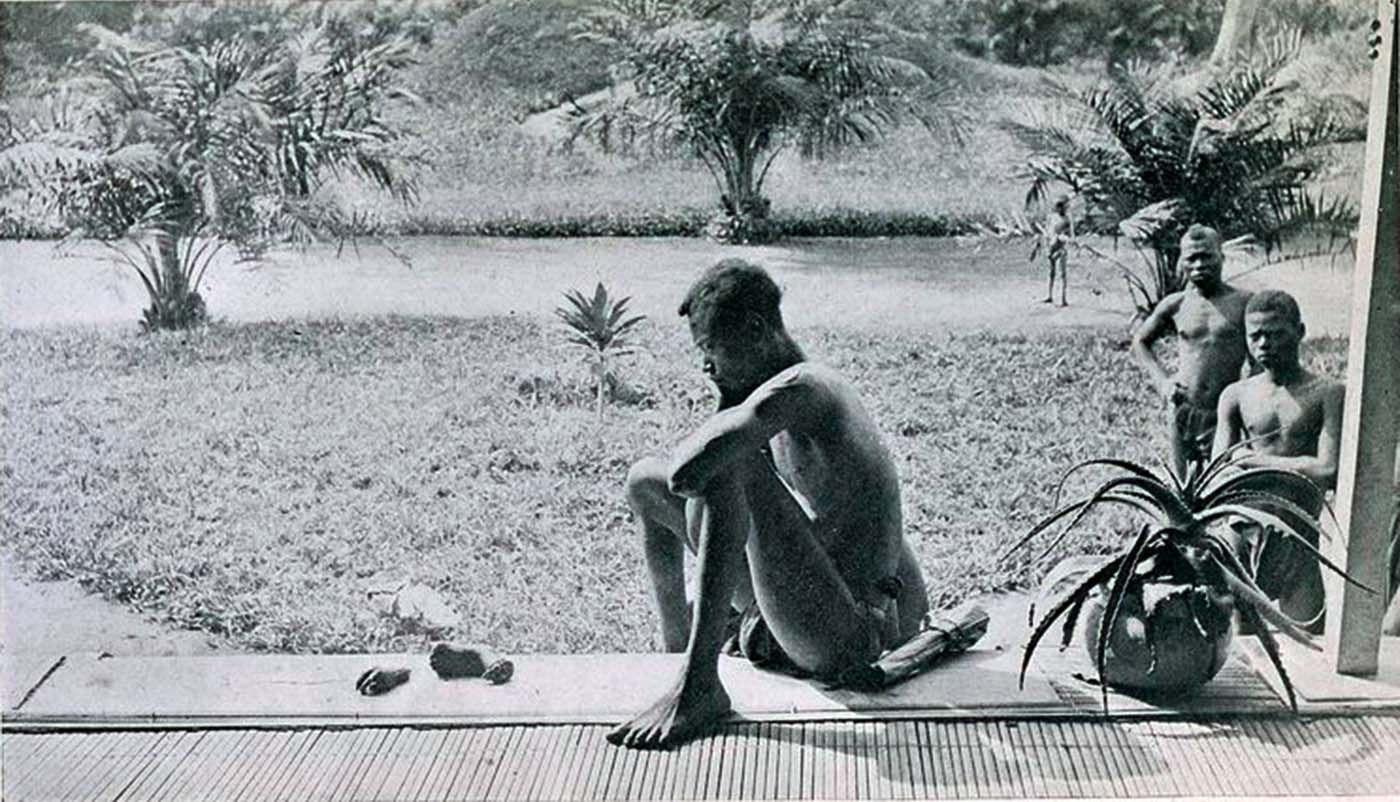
{"x": 737, "y": 325}
{"x": 1273, "y": 327}
{"x": 1201, "y": 259}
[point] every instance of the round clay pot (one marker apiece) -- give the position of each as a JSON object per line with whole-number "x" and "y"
{"x": 1180, "y": 646}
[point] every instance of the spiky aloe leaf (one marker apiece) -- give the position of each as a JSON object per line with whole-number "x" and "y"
{"x": 1104, "y": 495}
{"x": 1221, "y": 461}
{"x": 1266, "y": 519}
{"x": 1303, "y": 520}
{"x": 1266, "y": 639}
{"x": 1117, "y": 591}
{"x": 1285, "y": 483}
{"x": 1130, "y": 467}
{"x": 1078, "y": 506}
{"x": 1247, "y": 593}
{"x": 1074, "y": 597}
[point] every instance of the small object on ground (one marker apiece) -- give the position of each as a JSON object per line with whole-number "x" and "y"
{"x": 417, "y": 607}
{"x": 377, "y": 681}
{"x": 459, "y": 661}
{"x": 943, "y": 633}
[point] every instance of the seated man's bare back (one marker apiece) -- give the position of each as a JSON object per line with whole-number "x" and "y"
{"x": 790, "y": 501}
{"x": 1292, "y": 419}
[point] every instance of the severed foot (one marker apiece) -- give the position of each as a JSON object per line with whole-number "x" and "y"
{"x": 683, "y": 713}
{"x": 458, "y": 661}
{"x": 377, "y": 681}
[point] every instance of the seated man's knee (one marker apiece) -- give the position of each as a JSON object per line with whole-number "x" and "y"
{"x": 646, "y": 483}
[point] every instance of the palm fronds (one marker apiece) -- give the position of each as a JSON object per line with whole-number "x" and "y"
{"x": 602, "y": 326}
{"x": 1151, "y": 156}
{"x": 226, "y": 140}
{"x": 739, "y": 85}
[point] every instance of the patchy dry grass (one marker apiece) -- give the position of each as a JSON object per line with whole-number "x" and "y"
{"x": 257, "y": 480}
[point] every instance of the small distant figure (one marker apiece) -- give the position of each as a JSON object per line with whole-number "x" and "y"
{"x": 1055, "y": 236}
{"x": 1208, "y": 319}
{"x": 1293, "y": 420}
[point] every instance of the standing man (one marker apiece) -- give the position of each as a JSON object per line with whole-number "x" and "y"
{"x": 1208, "y": 318}
{"x": 790, "y": 501}
{"x": 1056, "y": 237}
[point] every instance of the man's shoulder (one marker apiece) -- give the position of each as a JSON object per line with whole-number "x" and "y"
{"x": 809, "y": 374}
{"x": 1239, "y": 388}
{"x": 1237, "y": 295}
{"x": 1171, "y": 301}
{"x": 1326, "y": 388}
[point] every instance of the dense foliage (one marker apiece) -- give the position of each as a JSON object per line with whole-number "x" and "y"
{"x": 1151, "y": 153}
{"x": 737, "y": 87}
{"x": 222, "y": 132}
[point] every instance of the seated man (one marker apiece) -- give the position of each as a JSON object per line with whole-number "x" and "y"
{"x": 1294, "y": 419}
{"x": 790, "y": 501}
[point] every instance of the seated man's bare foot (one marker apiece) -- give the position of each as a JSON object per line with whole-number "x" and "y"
{"x": 683, "y": 713}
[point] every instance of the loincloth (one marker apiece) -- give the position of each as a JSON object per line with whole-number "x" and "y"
{"x": 1193, "y": 429}
{"x": 751, "y": 638}
{"x": 1281, "y": 566}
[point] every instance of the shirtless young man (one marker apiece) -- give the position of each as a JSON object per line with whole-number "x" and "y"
{"x": 1059, "y": 231}
{"x": 1294, "y": 420}
{"x": 1208, "y": 318}
{"x": 789, "y": 499}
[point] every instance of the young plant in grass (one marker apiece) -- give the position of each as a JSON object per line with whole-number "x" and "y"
{"x": 601, "y": 325}
{"x": 1159, "y": 614}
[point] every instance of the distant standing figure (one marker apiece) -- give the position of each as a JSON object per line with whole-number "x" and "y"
{"x": 1056, "y": 237}
{"x": 1293, "y": 420}
{"x": 1208, "y": 319}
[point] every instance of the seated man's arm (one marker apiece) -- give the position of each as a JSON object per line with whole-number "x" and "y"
{"x": 740, "y": 431}
{"x": 1153, "y": 328}
{"x": 1322, "y": 466}
{"x": 1229, "y": 427}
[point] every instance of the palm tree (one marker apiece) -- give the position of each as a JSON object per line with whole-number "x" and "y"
{"x": 170, "y": 153}
{"x": 738, "y": 83}
{"x": 1151, "y": 156}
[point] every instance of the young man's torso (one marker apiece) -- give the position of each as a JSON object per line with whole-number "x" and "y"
{"x": 1287, "y": 420}
{"x": 1211, "y": 345}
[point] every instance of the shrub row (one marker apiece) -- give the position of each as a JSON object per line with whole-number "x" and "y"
{"x": 684, "y": 223}
{"x": 692, "y": 223}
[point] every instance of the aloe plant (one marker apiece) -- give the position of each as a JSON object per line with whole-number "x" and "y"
{"x": 601, "y": 325}
{"x": 1180, "y": 549}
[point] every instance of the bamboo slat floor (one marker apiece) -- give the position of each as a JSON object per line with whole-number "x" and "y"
{"x": 178, "y": 730}
{"x": 891, "y": 759}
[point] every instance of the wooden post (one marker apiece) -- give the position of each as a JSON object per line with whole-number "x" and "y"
{"x": 1369, "y": 424}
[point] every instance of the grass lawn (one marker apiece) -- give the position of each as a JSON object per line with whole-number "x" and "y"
{"x": 257, "y": 479}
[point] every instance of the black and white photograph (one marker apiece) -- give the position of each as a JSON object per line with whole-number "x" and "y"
{"x": 699, "y": 400}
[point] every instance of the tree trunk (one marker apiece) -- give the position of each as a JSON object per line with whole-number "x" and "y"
{"x": 175, "y": 305}
{"x": 1236, "y": 31}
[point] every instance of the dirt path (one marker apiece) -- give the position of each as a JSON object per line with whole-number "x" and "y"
{"x": 879, "y": 284}
{"x": 63, "y": 618}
